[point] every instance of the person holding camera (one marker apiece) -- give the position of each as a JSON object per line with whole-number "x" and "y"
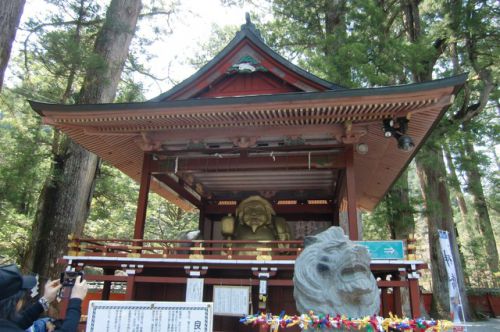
{"x": 13, "y": 287}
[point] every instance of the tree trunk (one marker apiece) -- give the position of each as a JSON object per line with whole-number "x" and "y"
{"x": 475, "y": 188}
{"x": 335, "y": 29}
{"x": 10, "y": 15}
{"x": 401, "y": 224}
{"x": 65, "y": 200}
{"x": 432, "y": 175}
{"x": 62, "y": 209}
{"x": 455, "y": 184}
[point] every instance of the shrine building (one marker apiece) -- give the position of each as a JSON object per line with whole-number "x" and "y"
{"x": 249, "y": 123}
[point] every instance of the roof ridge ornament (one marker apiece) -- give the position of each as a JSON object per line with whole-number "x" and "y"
{"x": 245, "y": 65}
{"x": 249, "y": 26}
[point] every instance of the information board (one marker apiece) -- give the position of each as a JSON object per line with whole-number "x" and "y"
{"x": 139, "y": 316}
{"x": 384, "y": 249}
{"x": 231, "y": 300}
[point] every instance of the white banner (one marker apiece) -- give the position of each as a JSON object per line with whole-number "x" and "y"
{"x": 142, "y": 316}
{"x": 456, "y": 309}
{"x": 194, "y": 290}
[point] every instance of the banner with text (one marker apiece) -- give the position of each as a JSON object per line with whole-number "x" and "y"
{"x": 456, "y": 309}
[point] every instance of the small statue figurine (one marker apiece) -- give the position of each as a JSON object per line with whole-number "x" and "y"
{"x": 255, "y": 220}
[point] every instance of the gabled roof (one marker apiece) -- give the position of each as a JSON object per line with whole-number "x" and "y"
{"x": 250, "y": 122}
{"x": 202, "y": 136}
{"x": 247, "y": 42}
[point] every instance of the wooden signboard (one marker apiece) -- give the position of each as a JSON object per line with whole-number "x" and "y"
{"x": 138, "y": 316}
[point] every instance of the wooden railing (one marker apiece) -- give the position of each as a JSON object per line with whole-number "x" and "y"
{"x": 192, "y": 249}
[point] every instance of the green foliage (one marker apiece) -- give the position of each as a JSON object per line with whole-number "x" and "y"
{"x": 24, "y": 148}
{"x": 14, "y": 233}
{"x": 58, "y": 48}
{"x": 167, "y": 221}
{"x": 113, "y": 206}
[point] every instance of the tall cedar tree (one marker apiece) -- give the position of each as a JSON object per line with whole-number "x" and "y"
{"x": 65, "y": 200}
{"x": 481, "y": 48}
{"x": 432, "y": 174}
{"x": 10, "y": 15}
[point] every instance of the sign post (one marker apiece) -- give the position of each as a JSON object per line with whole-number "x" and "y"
{"x": 384, "y": 249}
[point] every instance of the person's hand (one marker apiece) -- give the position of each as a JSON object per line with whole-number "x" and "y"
{"x": 51, "y": 289}
{"x": 49, "y": 326}
{"x": 79, "y": 290}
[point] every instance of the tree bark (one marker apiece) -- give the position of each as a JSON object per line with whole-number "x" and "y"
{"x": 10, "y": 15}
{"x": 455, "y": 184}
{"x": 432, "y": 175}
{"x": 65, "y": 200}
{"x": 336, "y": 29}
{"x": 475, "y": 189}
{"x": 401, "y": 222}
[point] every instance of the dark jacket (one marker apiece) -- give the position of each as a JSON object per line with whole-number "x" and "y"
{"x": 28, "y": 316}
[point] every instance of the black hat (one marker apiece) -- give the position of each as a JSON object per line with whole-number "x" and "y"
{"x": 12, "y": 281}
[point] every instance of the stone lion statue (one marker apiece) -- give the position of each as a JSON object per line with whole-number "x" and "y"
{"x": 332, "y": 276}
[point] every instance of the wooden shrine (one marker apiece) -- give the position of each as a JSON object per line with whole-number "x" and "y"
{"x": 251, "y": 123}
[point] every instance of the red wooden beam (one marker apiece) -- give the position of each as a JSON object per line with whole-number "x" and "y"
{"x": 352, "y": 214}
{"x": 179, "y": 189}
{"x": 140, "y": 217}
{"x": 214, "y": 281}
{"x": 242, "y": 131}
{"x": 129, "y": 296}
{"x": 322, "y": 160}
{"x": 392, "y": 283}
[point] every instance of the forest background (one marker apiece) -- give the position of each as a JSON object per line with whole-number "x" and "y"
{"x": 452, "y": 183}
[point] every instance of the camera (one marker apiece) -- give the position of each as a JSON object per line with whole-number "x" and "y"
{"x": 68, "y": 278}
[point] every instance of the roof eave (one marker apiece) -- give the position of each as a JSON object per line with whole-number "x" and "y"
{"x": 455, "y": 81}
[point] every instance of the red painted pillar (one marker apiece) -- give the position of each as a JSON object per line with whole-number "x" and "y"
{"x": 142, "y": 204}
{"x": 201, "y": 220}
{"x": 414, "y": 297}
{"x": 352, "y": 214}
{"x": 398, "y": 303}
{"x": 106, "y": 289}
{"x": 384, "y": 301}
{"x": 129, "y": 296}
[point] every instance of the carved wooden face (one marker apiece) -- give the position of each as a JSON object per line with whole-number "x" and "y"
{"x": 255, "y": 215}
